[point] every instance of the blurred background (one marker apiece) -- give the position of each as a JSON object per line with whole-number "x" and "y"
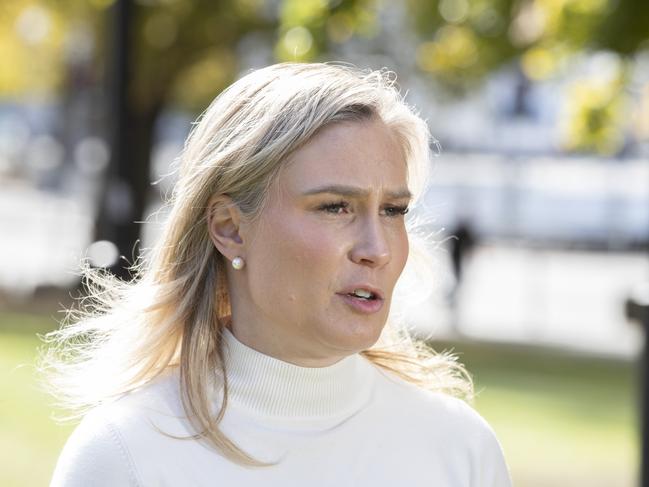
{"x": 538, "y": 203}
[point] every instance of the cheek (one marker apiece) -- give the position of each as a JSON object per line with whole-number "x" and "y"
{"x": 315, "y": 253}
{"x": 293, "y": 256}
{"x": 400, "y": 251}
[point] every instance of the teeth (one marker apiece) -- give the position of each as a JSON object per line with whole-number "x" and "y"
{"x": 362, "y": 293}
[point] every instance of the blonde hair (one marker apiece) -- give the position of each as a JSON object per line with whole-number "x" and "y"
{"x": 125, "y": 334}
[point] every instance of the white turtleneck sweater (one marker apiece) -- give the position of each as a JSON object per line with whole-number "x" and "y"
{"x": 349, "y": 424}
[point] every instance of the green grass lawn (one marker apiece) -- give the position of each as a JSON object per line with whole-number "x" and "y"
{"x": 29, "y": 439}
{"x": 562, "y": 420}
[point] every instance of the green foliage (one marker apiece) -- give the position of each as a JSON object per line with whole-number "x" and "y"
{"x": 595, "y": 118}
{"x": 31, "y": 47}
{"x": 462, "y": 40}
{"x": 625, "y": 29}
{"x": 185, "y": 52}
{"x": 308, "y": 28}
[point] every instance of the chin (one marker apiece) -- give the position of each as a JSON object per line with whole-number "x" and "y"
{"x": 357, "y": 337}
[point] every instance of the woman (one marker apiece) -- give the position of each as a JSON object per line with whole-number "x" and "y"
{"x": 254, "y": 349}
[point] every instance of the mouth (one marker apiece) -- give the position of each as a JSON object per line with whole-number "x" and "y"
{"x": 363, "y": 299}
{"x": 363, "y": 291}
{"x": 363, "y": 294}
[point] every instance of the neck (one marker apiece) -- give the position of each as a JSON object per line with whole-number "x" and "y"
{"x": 271, "y": 387}
{"x": 275, "y": 346}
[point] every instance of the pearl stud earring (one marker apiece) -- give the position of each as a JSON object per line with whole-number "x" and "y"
{"x": 238, "y": 263}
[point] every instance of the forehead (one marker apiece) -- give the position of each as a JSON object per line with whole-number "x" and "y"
{"x": 365, "y": 154}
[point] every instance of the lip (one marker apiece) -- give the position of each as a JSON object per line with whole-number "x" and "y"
{"x": 350, "y": 289}
{"x": 361, "y": 305}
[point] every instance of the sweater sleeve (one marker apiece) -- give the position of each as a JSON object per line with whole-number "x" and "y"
{"x": 95, "y": 455}
{"x": 492, "y": 470}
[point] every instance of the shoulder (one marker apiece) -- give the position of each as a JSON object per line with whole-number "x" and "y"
{"x": 103, "y": 449}
{"x": 95, "y": 452}
{"x": 432, "y": 410}
{"x": 446, "y": 425}
{"x": 425, "y": 405}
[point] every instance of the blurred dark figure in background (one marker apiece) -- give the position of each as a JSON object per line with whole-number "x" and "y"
{"x": 461, "y": 243}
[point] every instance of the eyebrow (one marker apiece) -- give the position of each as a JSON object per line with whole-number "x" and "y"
{"x": 355, "y": 192}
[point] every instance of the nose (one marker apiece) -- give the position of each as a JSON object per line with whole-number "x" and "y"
{"x": 371, "y": 248}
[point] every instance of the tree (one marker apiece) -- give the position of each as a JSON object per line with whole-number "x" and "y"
{"x": 463, "y": 40}
{"x": 182, "y": 53}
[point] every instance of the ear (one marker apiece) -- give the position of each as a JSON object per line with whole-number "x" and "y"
{"x": 223, "y": 219}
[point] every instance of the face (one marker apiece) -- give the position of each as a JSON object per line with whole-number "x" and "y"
{"x": 325, "y": 253}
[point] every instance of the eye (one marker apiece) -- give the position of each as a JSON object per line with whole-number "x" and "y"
{"x": 337, "y": 208}
{"x": 395, "y": 210}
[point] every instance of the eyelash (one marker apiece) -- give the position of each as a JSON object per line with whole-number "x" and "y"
{"x": 334, "y": 207}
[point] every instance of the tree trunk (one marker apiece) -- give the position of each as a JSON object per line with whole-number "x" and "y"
{"x": 131, "y": 127}
{"x": 127, "y": 191}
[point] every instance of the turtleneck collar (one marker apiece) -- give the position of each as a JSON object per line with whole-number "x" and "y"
{"x": 271, "y": 387}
